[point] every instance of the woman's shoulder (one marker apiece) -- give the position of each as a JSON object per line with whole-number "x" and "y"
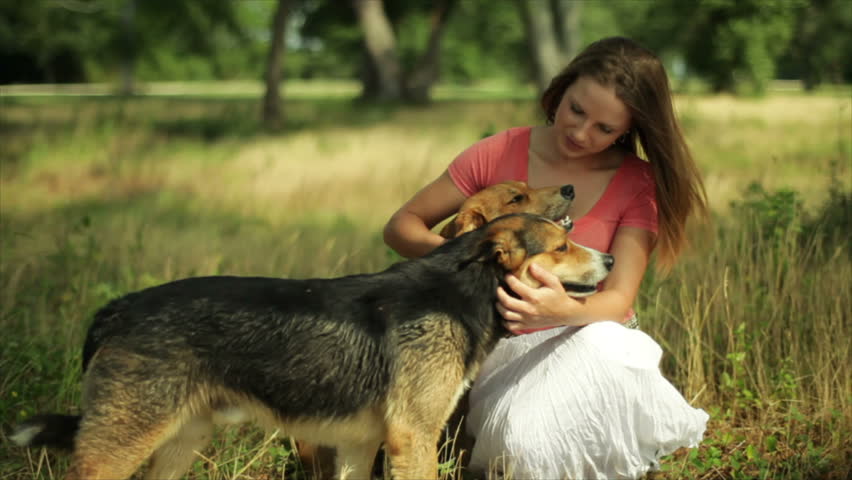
{"x": 497, "y": 144}
{"x": 495, "y": 158}
{"x": 513, "y": 132}
{"x": 523, "y": 131}
{"x": 506, "y": 137}
{"x": 634, "y": 179}
{"x": 638, "y": 171}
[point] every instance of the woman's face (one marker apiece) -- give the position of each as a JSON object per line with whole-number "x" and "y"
{"x": 589, "y": 119}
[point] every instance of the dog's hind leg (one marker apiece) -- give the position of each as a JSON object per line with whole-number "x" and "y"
{"x": 131, "y": 406}
{"x": 355, "y": 460}
{"x": 176, "y": 455}
{"x": 109, "y": 449}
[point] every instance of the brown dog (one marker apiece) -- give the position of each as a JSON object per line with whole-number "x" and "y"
{"x": 509, "y": 197}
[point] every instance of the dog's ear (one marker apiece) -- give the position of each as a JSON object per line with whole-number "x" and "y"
{"x": 449, "y": 230}
{"x": 464, "y": 222}
{"x": 508, "y": 249}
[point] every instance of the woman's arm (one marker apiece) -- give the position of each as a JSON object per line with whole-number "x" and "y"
{"x": 409, "y": 230}
{"x": 549, "y": 305}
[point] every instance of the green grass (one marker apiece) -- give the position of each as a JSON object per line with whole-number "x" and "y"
{"x": 100, "y": 196}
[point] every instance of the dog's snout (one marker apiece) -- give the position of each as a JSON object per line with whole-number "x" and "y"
{"x": 567, "y": 191}
{"x": 608, "y": 261}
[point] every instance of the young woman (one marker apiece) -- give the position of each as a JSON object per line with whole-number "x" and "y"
{"x": 580, "y": 402}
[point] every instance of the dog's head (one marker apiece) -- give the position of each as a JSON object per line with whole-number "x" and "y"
{"x": 509, "y": 197}
{"x": 516, "y": 241}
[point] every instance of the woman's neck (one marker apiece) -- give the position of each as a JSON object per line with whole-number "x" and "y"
{"x": 543, "y": 146}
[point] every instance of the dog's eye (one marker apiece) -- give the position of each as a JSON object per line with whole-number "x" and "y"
{"x": 517, "y": 198}
{"x": 563, "y": 248}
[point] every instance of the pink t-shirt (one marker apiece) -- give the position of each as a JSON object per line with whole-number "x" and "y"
{"x": 629, "y": 200}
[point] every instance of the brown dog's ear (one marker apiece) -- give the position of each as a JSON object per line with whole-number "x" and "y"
{"x": 464, "y": 222}
{"x": 508, "y": 250}
{"x": 449, "y": 230}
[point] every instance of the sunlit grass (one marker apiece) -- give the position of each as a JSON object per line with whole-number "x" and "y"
{"x": 100, "y": 196}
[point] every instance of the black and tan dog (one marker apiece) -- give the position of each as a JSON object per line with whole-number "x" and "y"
{"x": 349, "y": 362}
{"x": 485, "y": 205}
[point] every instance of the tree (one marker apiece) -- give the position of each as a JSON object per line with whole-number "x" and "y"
{"x": 821, "y": 45}
{"x": 380, "y": 43}
{"x": 734, "y": 44}
{"x": 128, "y": 63}
{"x": 41, "y": 42}
{"x": 272, "y": 115}
{"x": 68, "y": 40}
{"x": 553, "y": 35}
{"x": 187, "y": 26}
{"x": 385, "y": 76}
{"x": 419, "y": 80}
{"x": 456, "y": 41}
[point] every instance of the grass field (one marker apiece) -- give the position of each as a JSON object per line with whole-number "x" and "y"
{"x": 100, "y": 196}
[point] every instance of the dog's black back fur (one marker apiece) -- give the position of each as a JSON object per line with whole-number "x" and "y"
{"x": 251, "y": 331}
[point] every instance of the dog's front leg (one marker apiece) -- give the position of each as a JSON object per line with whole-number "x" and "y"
{"x": 413, "y": 454}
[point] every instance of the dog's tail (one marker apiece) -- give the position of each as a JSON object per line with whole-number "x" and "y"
{"x": 52, "y": 430}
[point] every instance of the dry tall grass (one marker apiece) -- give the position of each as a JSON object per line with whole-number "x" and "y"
{"x": 99, "y": 197}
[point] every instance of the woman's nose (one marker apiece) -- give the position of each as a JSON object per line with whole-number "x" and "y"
{"x": 581, "y": 132}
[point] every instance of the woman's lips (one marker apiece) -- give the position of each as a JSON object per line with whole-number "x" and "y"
{"x": 572, "y": 145}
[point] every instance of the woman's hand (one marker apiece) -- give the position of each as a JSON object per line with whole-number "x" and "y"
{"x": 545, "y": 306}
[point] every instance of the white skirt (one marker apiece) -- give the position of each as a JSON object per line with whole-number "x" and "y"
{"x": 578, "y": 403}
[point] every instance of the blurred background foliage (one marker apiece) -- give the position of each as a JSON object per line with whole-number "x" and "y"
{"x": 730, "y": 45}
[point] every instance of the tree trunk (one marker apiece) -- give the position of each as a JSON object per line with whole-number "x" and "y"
{"x": 419, "y": 81}
{"x": 551, "y": 34}
{"x": 567, "y": 23}
{"x": 381, "y": 47}
{"x": 273, "y": 116}
{"x": 128, "y": 63}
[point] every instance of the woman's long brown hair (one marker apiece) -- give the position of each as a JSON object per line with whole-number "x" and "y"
{"x": 640, "y": 81}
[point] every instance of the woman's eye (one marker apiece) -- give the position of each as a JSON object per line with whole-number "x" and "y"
{"x": 606, "y": 129}
{"x": 516, "y": 199}
{"x": 576, "y": 109}
{"x": 563, "y": 248}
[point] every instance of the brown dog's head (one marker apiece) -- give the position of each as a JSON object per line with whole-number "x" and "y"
{"x": 516, "y": 241}
{"x": 509, "y": 197}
